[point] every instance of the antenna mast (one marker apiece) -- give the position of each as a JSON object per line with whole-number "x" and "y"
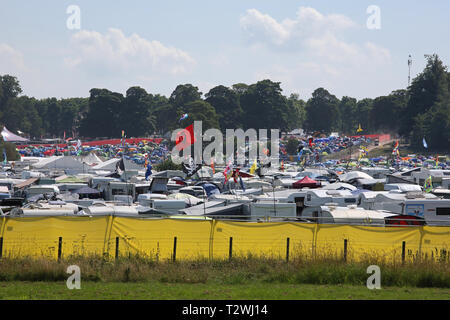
{"x": 409, "y": 69}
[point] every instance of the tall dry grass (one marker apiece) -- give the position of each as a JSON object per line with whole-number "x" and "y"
{"x": 241, "y": 270}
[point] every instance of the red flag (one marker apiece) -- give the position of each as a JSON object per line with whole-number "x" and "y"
{"x": 310, "y": 142}
{"x": 180, "y": 141}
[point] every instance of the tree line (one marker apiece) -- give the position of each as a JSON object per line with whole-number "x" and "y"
{"x": 420, "y": 111}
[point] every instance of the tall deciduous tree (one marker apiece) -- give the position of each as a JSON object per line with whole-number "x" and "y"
{"x": 226, "y": 103}
{"x": 322, "y": 111}
{"x": 264, "y": 106}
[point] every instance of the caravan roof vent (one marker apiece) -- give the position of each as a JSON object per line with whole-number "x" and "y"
{"x": 331, "y": 205}
{"x": 414, "y": 195}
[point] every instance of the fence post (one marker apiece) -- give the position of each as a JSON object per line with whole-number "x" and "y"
{"x": 287, "y": 250}
{"x": 174, "y": 257}
{"x": 59, "y": 248}
{"x": 403, "y": 251}
{"x": 1, "y": 247}
{"x": 230, "y": 249}
{"x": 117, "y": 248}
{"x": 345, "y": 249}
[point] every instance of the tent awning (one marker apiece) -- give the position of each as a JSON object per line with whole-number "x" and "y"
{"x": 11, "y": 137}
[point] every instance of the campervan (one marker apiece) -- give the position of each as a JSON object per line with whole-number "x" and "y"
{"x": 42, "y": 189}
{"x": 319, "y": 197}
{"x": 331, "y": 214}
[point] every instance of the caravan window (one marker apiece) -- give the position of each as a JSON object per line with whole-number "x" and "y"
{"x": 349, "y": 200}
{"x": 443, "y": 211}
{"x": 308, "y": 197}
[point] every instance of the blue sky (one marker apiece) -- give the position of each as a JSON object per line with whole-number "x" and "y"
{"x": 159, "y": 44}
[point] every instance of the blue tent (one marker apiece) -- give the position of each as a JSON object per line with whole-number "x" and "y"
{"x": 210, "y": 189}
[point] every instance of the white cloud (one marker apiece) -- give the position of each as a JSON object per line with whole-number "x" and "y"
{"x": 114, "y": 53}
{"x": 312, "y": 33}
{"x": 11, "y": 60}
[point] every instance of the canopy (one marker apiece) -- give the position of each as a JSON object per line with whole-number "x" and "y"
{"x": 306, "y": 182}
{"x": 86, "y": 190}
{"x": 9, "y": 136}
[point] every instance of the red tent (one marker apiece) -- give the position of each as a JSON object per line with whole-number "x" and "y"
{"x": 306, "y": 182}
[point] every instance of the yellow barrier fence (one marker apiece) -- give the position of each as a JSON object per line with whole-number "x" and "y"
{"x": 188, "y": 239}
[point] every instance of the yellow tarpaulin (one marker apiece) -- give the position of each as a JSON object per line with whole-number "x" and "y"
{"x": 210, "y": 239}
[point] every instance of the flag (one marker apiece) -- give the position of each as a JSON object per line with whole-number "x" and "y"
{"x": 123, "y": 134}
{"x": 235, "y": 175}
{"x": 64, "y": 136}
{"x": 425, "y": 145}
{"x": 228, "y": 172}
{"x": 282, "y": 166}
{"x": 253, "y": 167}
{"x": 78, "y": 147}
{"x": 148, "y": 173}
{"x": 395, "y": 150}
{"x": 184, "y": 116}
{"x": 180, "y": 140}
{"x": 428, "y": 186}
{"x": 241, "y": 183}
{"x": 359, "y": 128}
{"x": 212, "y": 166}
{"x": 310, "y": 141}
{"x": 299, "y": 155}
{"x": 5, "y": 158}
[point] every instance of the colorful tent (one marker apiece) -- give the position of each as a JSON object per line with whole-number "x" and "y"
{"x": 306, "y": 182}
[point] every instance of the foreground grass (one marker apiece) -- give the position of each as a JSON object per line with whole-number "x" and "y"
{"x": 210, "y": 291}
{"x": 245, "y": 278}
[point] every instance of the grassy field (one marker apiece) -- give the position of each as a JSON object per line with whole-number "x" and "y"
{"x": 251, "y": 278}
{"x": 206, "y": 291}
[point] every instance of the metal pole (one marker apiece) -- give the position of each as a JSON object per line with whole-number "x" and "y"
{"x": 274, "y": 207}
{"x": 230, "y": 249}
{"x": 287, "y": 250}
{"x": 345, "y": 250}
{"x": 59, "y": 248}
{"x": 403, "y": 251}
{"x": 117, "y": 248}
{"x": 174, "y": 257}
{"x": 1, "y": 247}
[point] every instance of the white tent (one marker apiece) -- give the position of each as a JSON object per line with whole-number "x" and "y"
{"x": 92, "y": 159}
{"x": 61, "y": 162}
{"x": 9, "y": 136}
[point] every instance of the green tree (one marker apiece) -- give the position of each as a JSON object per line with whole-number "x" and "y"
{"x": 387, "y": 111}
{"x": 200, "y": 110}
{"x": 136, "y": 111}
{"x": 297, "y": 111}
{"x": 428, "y": 88}
{"x": 347, "y": 114}
{"x": 183, "y": 94}
{"x": 226, "y": 103}
{"x": 265, "y": 107}
{"x": 102, "y": 119}
{"x": 322, "y": 111}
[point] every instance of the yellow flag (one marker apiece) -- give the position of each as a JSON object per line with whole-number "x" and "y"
{"x": 359, "y": 128}
{"x": 253, "y": 167}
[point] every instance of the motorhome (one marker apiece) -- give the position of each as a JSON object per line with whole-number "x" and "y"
{"x": 318, "y": 197}
{"x": 332, "y": 214}
{"x": 114, "y": 188}
{"x": 47, "y": 189}
{"x": 424, "y": 205}
{"x": 437, "y": 176}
